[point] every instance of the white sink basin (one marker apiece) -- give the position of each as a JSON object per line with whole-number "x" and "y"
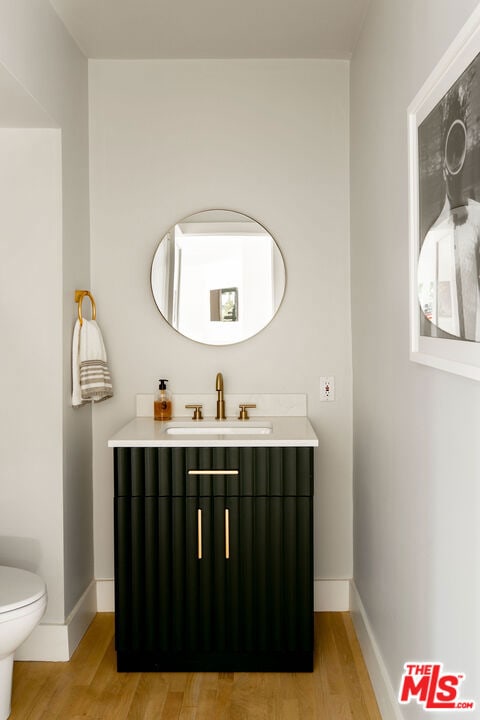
{"x": 200, "y": 427}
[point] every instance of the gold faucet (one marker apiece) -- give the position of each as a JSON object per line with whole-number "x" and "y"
{"x": 220, "y": 401}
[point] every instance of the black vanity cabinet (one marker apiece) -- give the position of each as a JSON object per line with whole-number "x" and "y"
{"x": 214, "y": 558}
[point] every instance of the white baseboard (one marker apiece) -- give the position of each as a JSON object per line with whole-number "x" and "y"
{"x": 331, "y": 595}
{"x": 105, "y": 596}
{"x": 81, "y": 617}
{"x": 57, "y": 643}
{"x": 384, "y": 692}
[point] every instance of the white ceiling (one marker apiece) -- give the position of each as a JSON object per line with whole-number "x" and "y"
{"x": 213, "y": 28}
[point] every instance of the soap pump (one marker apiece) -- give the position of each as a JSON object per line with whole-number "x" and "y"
{"x": 162, "y": 405}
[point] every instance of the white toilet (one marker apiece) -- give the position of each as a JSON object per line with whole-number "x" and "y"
{"x": 23, "y": 599}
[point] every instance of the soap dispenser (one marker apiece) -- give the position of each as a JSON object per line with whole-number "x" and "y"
{"x": 162, "y": 405}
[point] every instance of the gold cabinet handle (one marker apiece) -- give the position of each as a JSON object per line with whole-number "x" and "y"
{"x": 227, "y": 534}
{"x": 213, "y": 472}
{"x": 199, "y": 532}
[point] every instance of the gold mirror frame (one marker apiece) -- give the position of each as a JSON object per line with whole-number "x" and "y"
{"x": 218, "y": 277}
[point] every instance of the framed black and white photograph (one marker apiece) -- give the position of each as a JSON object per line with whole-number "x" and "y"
{"x": 444, "y": 182}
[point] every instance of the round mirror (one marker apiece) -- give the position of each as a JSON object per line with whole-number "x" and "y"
{"x": 218, "y": 277}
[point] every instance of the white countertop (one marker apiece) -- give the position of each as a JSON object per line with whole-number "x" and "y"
{"x": 285, "y": 431}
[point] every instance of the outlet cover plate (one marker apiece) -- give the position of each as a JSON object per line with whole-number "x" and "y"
{"x": 327, "y": 388}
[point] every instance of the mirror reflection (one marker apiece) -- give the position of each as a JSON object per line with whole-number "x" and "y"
{"x": 218, "y": 277}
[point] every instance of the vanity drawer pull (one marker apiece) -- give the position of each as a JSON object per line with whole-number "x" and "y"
{"x": 213, "y": 472}
{"x": 227, "y": 534}
{"x": 199, "y": 531}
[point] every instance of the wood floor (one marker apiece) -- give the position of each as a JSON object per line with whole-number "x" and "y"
{"x": 89, "y": 687}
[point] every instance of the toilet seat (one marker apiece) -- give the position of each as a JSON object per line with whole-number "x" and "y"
{"x": 19, "y": 588}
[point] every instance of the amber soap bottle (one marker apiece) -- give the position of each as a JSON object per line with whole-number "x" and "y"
{"x": 162, "y": 404}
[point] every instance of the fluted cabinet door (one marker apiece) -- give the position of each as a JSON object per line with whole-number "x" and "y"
{"x": 199, "y": 569}
{"x": 150, "y": 574}
{"x": 209, "y": 574}
{"x": 215, "y": 582}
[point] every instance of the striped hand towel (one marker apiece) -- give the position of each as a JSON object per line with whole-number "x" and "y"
{"x": 90, "y": 374}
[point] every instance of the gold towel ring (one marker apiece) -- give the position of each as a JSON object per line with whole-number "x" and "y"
{"x": 79, "y": 295}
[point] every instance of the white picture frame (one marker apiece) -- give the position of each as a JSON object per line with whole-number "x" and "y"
{"x": 453, "y": 355}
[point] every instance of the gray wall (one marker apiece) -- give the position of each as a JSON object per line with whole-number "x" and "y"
{"x": 269, "y": 138}
{"x": 44, "y": 64}
{"x": 416, "y": 429}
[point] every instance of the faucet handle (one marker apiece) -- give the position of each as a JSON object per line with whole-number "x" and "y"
{"x": 243, "y": 410}
{"x": 197, "y": 413}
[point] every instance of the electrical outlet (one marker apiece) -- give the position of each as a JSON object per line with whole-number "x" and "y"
{"x": 327, "y": 388}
